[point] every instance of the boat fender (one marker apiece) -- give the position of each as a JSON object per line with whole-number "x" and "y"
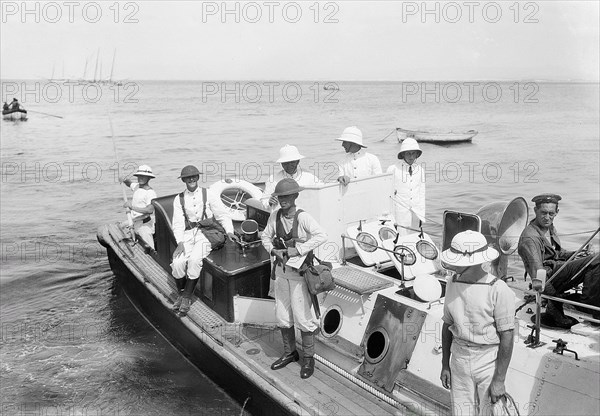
{"x": 236, "y": 206}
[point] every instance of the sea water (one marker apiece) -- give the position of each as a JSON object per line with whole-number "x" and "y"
{"x": 71, "y": 341}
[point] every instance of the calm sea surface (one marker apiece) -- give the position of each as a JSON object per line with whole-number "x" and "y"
{"x": 71, "y": 342}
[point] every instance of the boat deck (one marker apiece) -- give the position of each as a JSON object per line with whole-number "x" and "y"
{"x": 252, "y": 350}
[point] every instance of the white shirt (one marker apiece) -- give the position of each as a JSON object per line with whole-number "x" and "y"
{"x": 194, "y": 205}
{"x": 304, "y": 178}
{"x": 141, "y": 198}
{"x": 409, "y": 190}
{"x": 310, "y": 233}
{"x": 359, "y": 165}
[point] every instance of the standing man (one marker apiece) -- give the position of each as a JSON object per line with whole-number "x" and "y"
{"x": 192, "y": 244}
{"x": 409, "y": 188}
{"x": 141, "y": 206}
{"x": 291, "y": 233}
{"x": 540, "y": 248}
{"x": 357, "y": 163}
{"x": 478, "y": 330}
{"x": 289, "y": 157}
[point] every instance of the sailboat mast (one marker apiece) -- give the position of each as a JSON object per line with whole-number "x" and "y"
{"x": 96, "y": 69}
{"x": 85, "y": 69}
{"x": 112, "y": 68}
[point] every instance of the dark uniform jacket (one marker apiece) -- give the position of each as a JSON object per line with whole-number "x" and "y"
{"x": 539, "y": 253}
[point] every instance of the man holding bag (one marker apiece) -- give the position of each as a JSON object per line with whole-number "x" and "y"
{"x": 290, "y": 235}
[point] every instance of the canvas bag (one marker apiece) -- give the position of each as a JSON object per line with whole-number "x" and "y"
{"x": 210, "y": 227}
{"x": 318, "y": 277}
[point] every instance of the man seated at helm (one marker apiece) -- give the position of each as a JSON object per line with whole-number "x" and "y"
{"x": 357, "y": 163}
{"x": 540, "y": 248}
{"x": 289, "y": 157}
{"x": 192, "y": 244}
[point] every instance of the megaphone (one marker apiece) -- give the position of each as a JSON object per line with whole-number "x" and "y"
{"x": 502, "y": 225}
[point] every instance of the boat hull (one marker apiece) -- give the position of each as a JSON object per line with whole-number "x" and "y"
{"x": 14, "y": 115}
{"x": 436, "y": 138}
{"x": 188, "y": 343}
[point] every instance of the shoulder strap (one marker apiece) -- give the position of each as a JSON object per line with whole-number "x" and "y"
{"x": 295, "y": 224}
{"x": 185, "y": 216}
{"x": 204, "y": 198}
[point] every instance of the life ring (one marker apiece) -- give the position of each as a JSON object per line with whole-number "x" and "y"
{"x": 234, "y": 193}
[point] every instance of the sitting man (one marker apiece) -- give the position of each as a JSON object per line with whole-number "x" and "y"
{"x": 289, "y": 157}
{"x": 357, "y": 163}
{"x": 540, "y": 248}
{"x": 141, "y": 204}
{"x": 192, "y": 243}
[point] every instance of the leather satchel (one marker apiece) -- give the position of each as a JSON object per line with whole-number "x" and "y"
{"x": 318, "y": 277}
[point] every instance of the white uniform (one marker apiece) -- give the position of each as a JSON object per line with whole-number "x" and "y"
{"x": 142, "y": 198}
{"x": 408, "y": 196}
{"x": 196, "y": 246}
{"x": 359, "y": 165}
{"x": 304, "y": 178}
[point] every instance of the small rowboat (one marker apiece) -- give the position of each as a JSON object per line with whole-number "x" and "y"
{"x": 436, "y": 137}
{"x": 14, "y": 115}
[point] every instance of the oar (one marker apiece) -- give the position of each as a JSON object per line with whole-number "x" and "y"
{"x": 129, "y": 217}
{"x": 46, "y": 114}
{"x": 387, "y": 136}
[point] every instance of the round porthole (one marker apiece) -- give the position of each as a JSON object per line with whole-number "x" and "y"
{"x": 331, "y": 321}
{"x": 427, "y": 250}
{"x": 367, "y": 242}
{"x": 377, "y": 345}
{"x": 405, "y": 255}
{"x": 386, "y": 233}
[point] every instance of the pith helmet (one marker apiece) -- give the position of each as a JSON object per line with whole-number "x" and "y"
{"x": 287, "y": 186}
{"x": 407, "y": 145}
{"x": 144, "y": 170}
{"x": 469, "y": 248}
{"x": 189, "y": 170}
{"x": 352, "y": 135}
{"x": 289, "y": 153}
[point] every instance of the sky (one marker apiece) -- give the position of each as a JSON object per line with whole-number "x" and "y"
{"x": 301, "y": 40}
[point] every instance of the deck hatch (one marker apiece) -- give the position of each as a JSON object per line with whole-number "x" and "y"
{"x": 358, "y": 281}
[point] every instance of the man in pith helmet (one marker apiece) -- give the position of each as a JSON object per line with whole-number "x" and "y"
{"x": 289, "y": 157}
{"x": 292, "y": 299}
{"x": 140, "y": 205}
{"x": 192, "y": 244}
{"x": 357, "y": 163}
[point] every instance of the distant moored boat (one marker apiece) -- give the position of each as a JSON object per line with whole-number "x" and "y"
{"x": 436, "y": 137}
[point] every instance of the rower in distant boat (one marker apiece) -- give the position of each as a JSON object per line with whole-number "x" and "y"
{"x": 15, "y": 106}
{"x": 356, "y": 164}
{"x": 541, "y": 249}
{"x": 409, "y": 188}
{"x": 5, "y": 107}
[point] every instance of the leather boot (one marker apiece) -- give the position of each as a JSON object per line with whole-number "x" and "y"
{"x": 290, "y": 354}
{"x": 308, "y": 346}
{"x": 178, "y": 294}
{"x": 188, "y": 292}
{"x": 555, "y": 310}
